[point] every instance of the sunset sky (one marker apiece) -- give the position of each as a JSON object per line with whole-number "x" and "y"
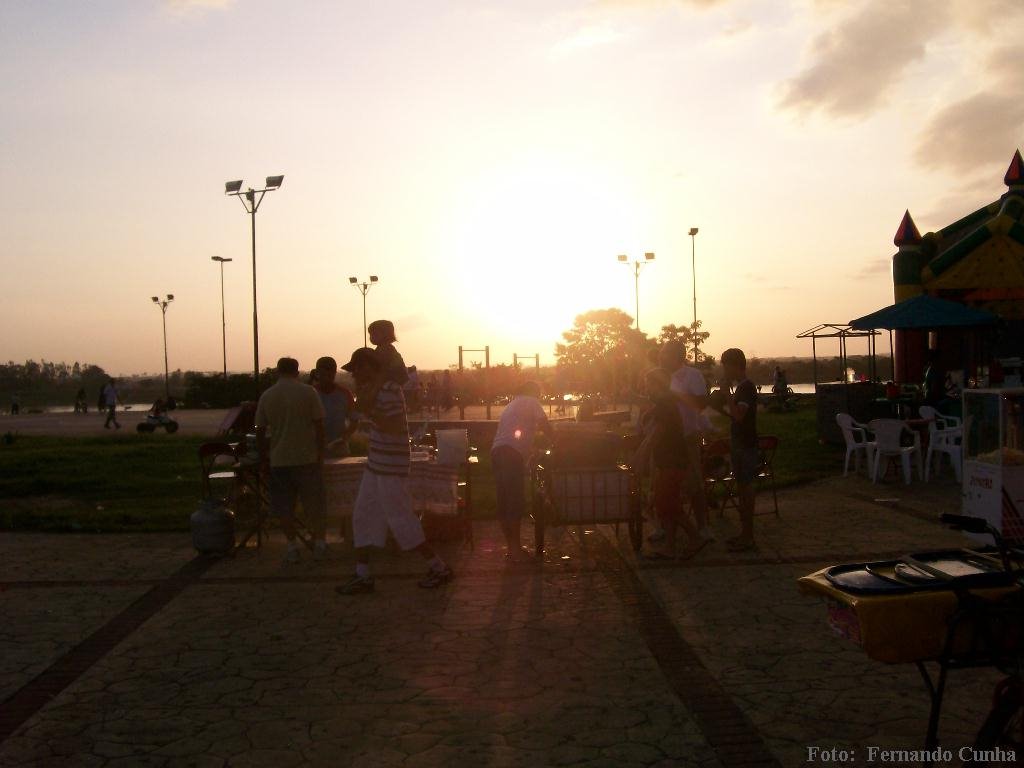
{"x": 488, "y": 160}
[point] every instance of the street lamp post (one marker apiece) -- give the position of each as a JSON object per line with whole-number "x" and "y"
{"x": 251, "y": 203}
{"x": 693, "y": 265}
{"x": 637, "y": 266}
{"x": 223, "y": 323}
{"x": 162, "y": 303}
{"x": 363, "y": 288}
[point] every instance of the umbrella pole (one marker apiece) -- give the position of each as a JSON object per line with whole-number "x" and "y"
{"x": 892, "y": 356}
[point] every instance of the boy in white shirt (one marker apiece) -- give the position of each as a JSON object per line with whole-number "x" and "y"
{"x": 691, "y": 393}
{"x": 510, "y": 451}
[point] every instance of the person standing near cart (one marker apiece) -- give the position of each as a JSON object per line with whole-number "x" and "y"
{"x": 669, "y": 457}
{"x": 690, "y": 390}
{"x": 338, "y": 405}
{"x": 513, "y": 443}
{"x": 294, "y": 454}
{"x": 383, "y": 503}
{"x": 741, "y": 409}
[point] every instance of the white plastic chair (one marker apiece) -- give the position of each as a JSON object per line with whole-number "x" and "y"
{"x": 944, "y": 436}
{"x": 887, "y": 445}
{"x": 941, "y": 420}
{"x": 855, "y": 435}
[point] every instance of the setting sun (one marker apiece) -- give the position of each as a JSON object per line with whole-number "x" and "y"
{"x": 537, "y": 240}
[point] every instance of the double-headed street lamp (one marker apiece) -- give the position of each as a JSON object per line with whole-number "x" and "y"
{"x": 637, "y": 266}
{"x": 223, "y": 324}
{"x": 251, "y": 200}
{"x": 162, "y": 303}
{"x": 693, "y": 264}
{"x": 363, "y": 288}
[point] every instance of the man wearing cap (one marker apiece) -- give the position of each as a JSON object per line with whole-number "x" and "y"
{"x": 292, "y": 413}
{"x": 383, "y": 502}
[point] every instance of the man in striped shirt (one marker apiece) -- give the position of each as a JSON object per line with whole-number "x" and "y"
{"x": 383, "y": 502}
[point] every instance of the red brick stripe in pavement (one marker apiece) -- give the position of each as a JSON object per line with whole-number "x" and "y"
{"x": 39, "y": 691}
{"x": 702, "y": 562}
{"x": 726, "y": 728}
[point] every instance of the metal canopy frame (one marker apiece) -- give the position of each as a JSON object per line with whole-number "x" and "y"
{"x": 843, "y": 332}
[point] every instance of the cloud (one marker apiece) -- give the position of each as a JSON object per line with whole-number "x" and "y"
{"x": 183, "y": 7}
{"x": 856, "y": 63}
{"x": 985, "y": 17}
{"x": 737, "y": 28}
{"x": 765, "y": 281}
{"x": 586, "y": 37}
{"x": 982, "y": 128}
{"x": 872, "y": 269}
{"x": 655, "y": 4}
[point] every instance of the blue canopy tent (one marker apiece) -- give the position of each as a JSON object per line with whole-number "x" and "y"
{"x": 924, "y": 312}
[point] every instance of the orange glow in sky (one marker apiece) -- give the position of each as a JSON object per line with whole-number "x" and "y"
{"x": 487, "y": 160}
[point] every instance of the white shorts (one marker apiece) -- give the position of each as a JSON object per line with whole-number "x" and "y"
{"x": 384, "y": 502}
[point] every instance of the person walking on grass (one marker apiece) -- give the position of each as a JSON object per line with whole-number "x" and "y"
{"x": 294, "y": 454}
{"x": 741, "y": 408}
{"x": 110, "y": 400}
{"x": 510, "y": 451}
{"x": 383, "y": 502}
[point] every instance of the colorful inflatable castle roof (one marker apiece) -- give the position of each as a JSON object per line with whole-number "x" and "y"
{"x": 977, "y": 260}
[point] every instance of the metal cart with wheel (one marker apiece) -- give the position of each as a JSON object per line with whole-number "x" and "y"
{"x": 580, "y": 482}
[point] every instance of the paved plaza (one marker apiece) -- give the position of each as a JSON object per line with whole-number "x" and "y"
{"x": 128, "y": 651}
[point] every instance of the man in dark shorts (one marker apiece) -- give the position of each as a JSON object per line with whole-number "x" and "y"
{"x": 741, "y": 409}
{"x": 513, "y": 443}
{"x": 293, "y": 455}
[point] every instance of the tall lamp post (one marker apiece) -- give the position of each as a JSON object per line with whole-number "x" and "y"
{"x": 637, "y": 266}
{"x": 223, "y": 323}
{"x": 363, "y": 288}
{"x": 251, "y": 200}
{"x": 693, "y": 265}
{"x": 162, "y": 303}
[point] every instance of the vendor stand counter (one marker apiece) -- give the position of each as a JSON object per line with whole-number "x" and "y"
{"x": 900, "y": 626}
{"x": 993, "y": 442}
{"x": 432, "y": 486}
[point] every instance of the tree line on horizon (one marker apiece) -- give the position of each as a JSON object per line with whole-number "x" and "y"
{"x": 602, "y": 355}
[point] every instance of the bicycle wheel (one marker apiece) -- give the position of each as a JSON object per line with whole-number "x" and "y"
{"x": 1002, "y": 732}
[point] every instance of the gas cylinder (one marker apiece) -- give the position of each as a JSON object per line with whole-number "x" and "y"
{"x": 213, "y": 527}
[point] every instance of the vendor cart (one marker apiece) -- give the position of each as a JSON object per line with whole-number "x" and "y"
{"x": 993, "y": 443}
{"x": 953, "y": 609}
{"x": 581, "y": 480}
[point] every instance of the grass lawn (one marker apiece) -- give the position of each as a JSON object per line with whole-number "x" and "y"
{"x": 99, "y": 484}
{"x": 800, "y": 458}
{"x": 151, "y": 482}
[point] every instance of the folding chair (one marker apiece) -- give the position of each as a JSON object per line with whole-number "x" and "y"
{"x": 217, "y": 466}
{"x": 716, "y": 471}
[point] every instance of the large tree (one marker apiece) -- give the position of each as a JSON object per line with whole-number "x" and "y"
{"x": 603, "y": 351}
{"x": 687, "y": 334}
